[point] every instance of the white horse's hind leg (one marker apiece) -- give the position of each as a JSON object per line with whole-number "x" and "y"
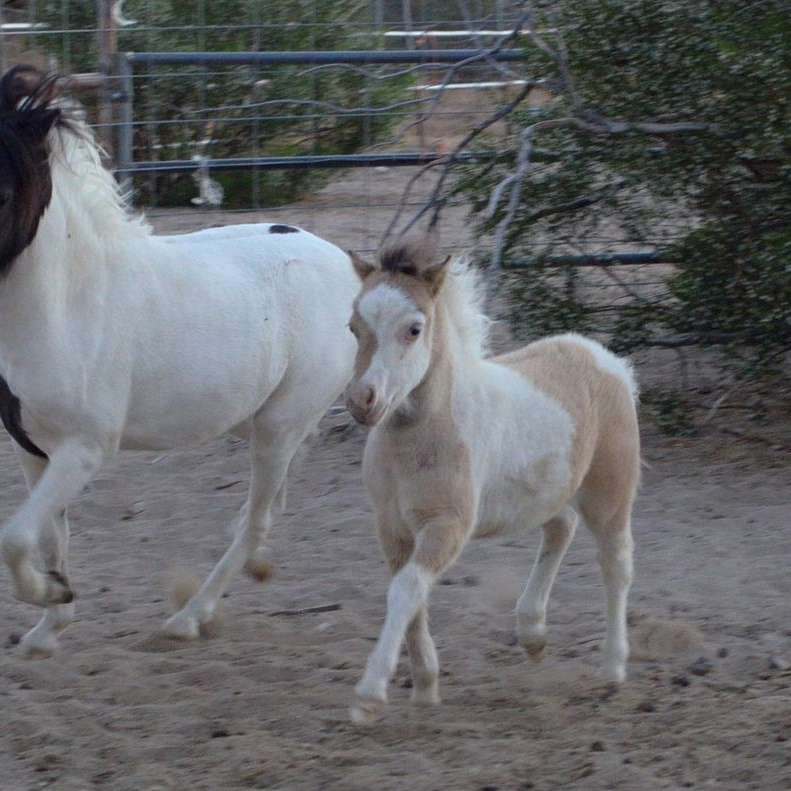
{"x": 42, "y": 640}
{"x": 615, "y": 544}
{"x": 273, "y": 444}
{"x": 531, "y": 609}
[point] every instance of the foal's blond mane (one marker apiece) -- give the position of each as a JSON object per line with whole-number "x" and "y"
{"x": 463, "y": 294}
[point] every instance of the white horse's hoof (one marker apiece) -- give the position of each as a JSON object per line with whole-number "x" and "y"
{"x": 366, "y": 711}
{"x": 58, "y": 589}
{"x": 258, "y": 567}
{"x": 43, "y": 590}
{"x": 33, "y": 646}
{"x": 182, "y": 626}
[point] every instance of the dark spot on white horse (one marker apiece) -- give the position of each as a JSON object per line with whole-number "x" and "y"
{"x": 283, "y": 229}
{"x": 11, "y": 416}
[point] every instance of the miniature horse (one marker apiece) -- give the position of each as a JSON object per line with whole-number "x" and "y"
{"x": 465, "y": 446}
{"x": 113, "y": 338}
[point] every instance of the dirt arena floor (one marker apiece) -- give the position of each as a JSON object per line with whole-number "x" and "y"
{"x": 263, "y": 702}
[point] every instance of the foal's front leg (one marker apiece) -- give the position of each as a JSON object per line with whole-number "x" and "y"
{"x": 398, "y": 544}
{"x": 71, "y": 466}
{"x": 437, "y": 545}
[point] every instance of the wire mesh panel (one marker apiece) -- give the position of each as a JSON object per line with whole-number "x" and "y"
{"x": 253, "y": 113}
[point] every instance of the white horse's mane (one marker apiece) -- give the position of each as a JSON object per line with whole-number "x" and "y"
{"x": 79, "y": 176}
{"x": 464, "y": 295}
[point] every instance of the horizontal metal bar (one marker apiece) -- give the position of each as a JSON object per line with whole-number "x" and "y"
{"x": 600, "y": 259}
{"x": 308, "y": 56}
{"x": 460, "y": 33}
{"x": 300, "y": 163}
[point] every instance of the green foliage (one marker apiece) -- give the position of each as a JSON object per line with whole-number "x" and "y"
{"x": 239, "y": 108}
{"x": 671, "y": 410}
{"x": 718, "y": 200}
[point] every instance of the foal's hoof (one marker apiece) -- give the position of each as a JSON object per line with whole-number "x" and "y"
{"x": 615, "y": 674}
{"x": 535, "y": 651}
{"x": 181, "y": 626}
{"x": 425, "y": 697}
{"x": 366, "y": 711}
{"x": 58, "y": 589}
{"x": 535, "y": 645}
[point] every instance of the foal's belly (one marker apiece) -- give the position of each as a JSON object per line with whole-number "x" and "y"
{"x": 515, "y": 504}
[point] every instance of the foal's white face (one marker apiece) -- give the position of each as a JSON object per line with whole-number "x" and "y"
{"x": 393, "y": 353}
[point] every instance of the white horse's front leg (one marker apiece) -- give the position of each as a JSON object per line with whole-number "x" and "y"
{"x": 42, "y": 640}
{"x": 70, "y": 468}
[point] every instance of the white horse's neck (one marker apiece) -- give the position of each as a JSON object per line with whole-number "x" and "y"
{"x": 87, "y": 195}
{"x": 82, "y": 233}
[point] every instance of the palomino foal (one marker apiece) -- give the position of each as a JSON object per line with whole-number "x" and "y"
{"x": 114, "y": 338}
{"x": 463, "y": 445}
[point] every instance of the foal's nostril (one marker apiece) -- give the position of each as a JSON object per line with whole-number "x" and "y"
{"x": 370, "y": 397}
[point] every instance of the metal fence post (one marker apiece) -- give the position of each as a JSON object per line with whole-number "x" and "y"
{"x": 125, "y": 138}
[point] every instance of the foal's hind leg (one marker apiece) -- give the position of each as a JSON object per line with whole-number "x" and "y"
{"x": 531, "y": 609}
{"x": 42, "y": 639}
{"x": 274, "y": 442}
{"x": 615, "y": 545}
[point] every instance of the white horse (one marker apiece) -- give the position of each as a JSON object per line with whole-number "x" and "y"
{"x": 113, "y": 338}
{"x": 463, "y": 445}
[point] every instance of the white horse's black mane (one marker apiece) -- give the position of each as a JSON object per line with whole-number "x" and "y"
{"x": 27, "y": 114}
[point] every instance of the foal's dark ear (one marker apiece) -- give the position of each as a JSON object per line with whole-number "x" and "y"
{"x": 363, "y": 268}
{"x": 434, "y": 274}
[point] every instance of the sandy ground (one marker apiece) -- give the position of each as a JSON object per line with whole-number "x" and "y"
{"x": 263, "y": 704}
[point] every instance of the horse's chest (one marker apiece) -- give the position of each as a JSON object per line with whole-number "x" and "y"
{"x": 420, "y": 475}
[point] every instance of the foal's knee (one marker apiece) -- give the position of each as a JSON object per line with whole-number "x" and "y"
{"x": 438, "y": 544}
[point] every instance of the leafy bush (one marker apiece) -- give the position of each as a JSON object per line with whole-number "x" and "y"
{"x": 716, "y": 199}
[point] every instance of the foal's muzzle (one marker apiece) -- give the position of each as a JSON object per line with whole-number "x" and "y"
{"x": 364, "y": 404}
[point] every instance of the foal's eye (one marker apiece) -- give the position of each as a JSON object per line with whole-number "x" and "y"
{"x": 352, "y": 330}
{"x": 415, "y": 330}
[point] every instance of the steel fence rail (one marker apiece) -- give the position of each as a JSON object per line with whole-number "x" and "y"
{"x": 125, "y": 64}
{"x": 323, "y": 161}
{"x": 304, "y": 57}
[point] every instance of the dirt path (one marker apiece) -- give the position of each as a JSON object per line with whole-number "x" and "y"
{"x": 263, "y": 705}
